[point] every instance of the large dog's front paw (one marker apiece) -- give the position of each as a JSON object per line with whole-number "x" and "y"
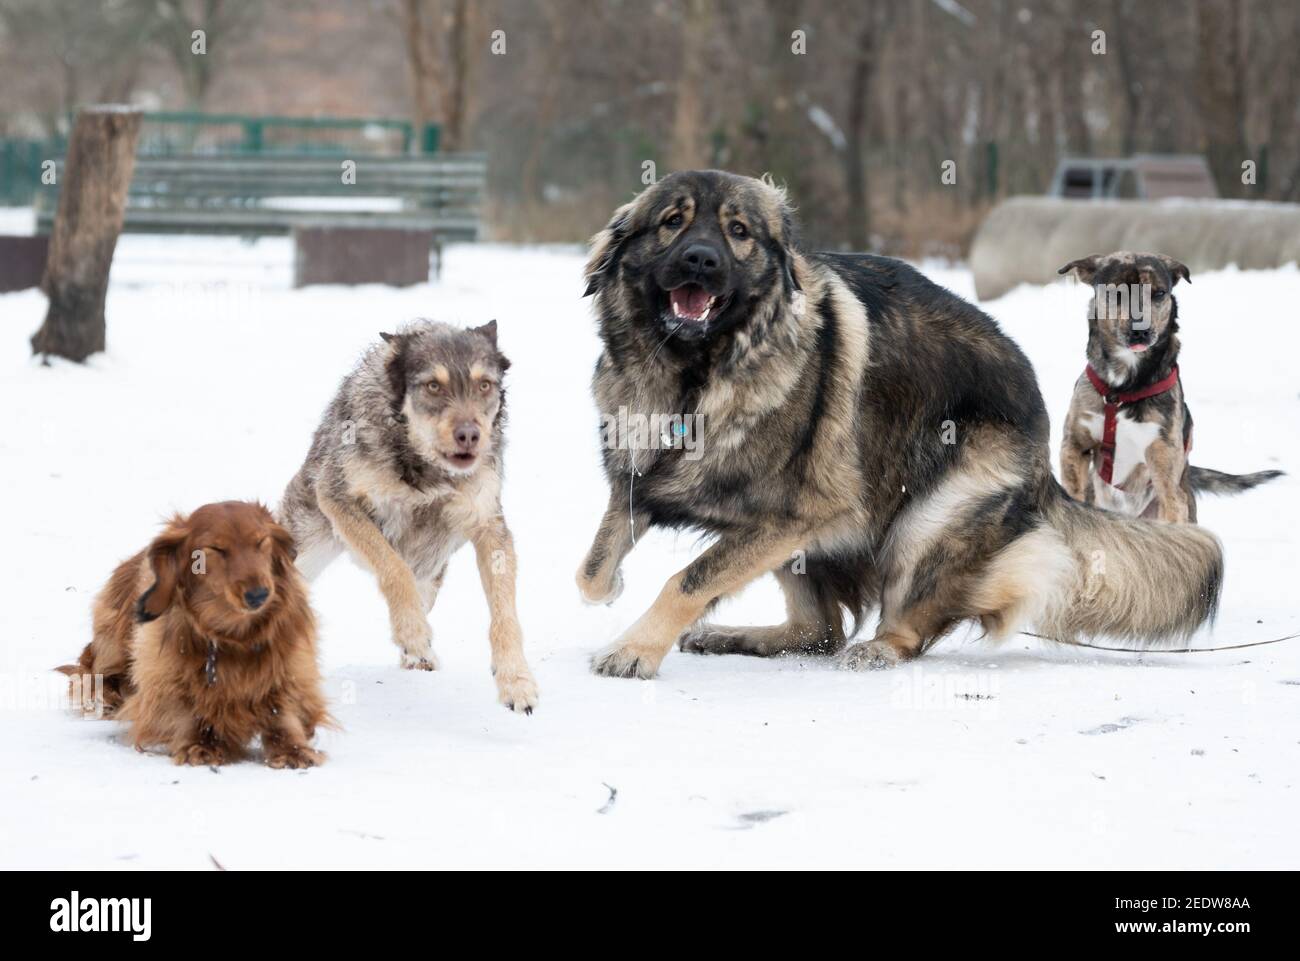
{"x": 595, "y": 591}
{"x": 517, "y": 690}
{"x": 871, "y": 656}
{"x": 760, "y": 641}
{"x": 626, "y": 660}
{"x": 711, "y": 639}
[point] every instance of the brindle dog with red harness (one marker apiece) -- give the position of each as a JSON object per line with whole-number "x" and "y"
{"x": 1129, "y": 432}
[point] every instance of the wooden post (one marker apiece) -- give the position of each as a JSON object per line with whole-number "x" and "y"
{"x": 92, "y": 204}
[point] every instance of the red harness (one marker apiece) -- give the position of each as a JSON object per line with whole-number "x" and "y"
{"x": 1113, "y": 402}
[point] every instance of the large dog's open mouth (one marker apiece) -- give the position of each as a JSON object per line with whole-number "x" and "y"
{"x": 692, "y": 303}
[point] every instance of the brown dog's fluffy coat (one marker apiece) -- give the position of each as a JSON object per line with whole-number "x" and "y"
{"x": 205, "y": 640}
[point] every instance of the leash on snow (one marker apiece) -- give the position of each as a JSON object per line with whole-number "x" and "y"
{"x": 1156, "y": 650}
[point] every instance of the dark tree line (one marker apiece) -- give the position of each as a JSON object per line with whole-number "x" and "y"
{"x": 856, "y": 104}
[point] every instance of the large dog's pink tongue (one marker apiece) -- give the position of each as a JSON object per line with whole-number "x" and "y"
{"x": 690, "y": 301}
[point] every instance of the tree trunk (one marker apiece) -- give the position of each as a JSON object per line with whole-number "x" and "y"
{"x": 441, "y": 43}
{"x": 1220, "y": 88}
{"x": 422, "y": 62}
{"x": 855, "y": 168}
{"x": 92, "y": 204}
{"x": 530, "y": 177}
{"x": 688, "y": 151}
{"x": 456, "y": 95}
{"x": 1073, "y": 102}
{"x": 1124, "y": 38}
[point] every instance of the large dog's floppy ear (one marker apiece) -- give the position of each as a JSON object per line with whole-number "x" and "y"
{"x": 785, "y": 244}
{"x": 165, "y": 561}
{"x": 1085, "y": 268}
{"x": 787, "y": 250}
{"x": 605, "y": 246}
{"x": 489, "y": 330}
{"x": 1176, "y": 269}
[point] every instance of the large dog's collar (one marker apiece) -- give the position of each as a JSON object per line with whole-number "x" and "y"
{"x": 1113, "y": 401}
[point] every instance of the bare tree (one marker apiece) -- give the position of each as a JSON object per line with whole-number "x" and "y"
{"x": 225, "y": 24}
{"x": 688, "y": 137}
{"x": 1125, "y": 38}
{"x": 442, "y": 40}
{"x": 873, "y": 20}
{"x": 63, "y": 52}
{"x": 1073, "y": 46}
{"x": 92, "y": 205}
{"x": 1220, "y": 90}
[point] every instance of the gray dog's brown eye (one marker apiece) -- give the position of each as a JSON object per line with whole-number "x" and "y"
{"x": 485, "y": 386}
{"x": 738, "y": 230}
{"x": 434, "y": 387}
{"x": 675, "y": 220}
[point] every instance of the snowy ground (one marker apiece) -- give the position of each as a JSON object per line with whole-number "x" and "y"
{"x": 1025, "y": 755}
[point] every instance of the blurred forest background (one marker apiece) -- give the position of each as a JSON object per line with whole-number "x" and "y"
{"x": 857, "y": 121}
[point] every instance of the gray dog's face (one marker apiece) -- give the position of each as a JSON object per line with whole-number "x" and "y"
{"x": 450, "y": 381}
{"x": 695, "y": 252}
{"x": 1132, "y": 307}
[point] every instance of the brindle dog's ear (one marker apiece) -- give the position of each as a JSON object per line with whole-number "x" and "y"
{"x": 605, "y": 247}
{"x": 165, "y": 560}
{"x": 395, "y": 365}
{"x": 1084, "y": 268}
{"x": 1176, "y": 269}
{"x": 489, "y": 330}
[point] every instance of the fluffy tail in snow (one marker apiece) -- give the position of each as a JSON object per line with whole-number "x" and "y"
{"x": 1137, "y": 580}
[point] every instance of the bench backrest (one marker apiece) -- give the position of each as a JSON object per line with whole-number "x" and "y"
{"x": 445, "y": 187}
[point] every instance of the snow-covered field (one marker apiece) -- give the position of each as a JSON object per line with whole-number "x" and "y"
{"x": 1024, "y": 755}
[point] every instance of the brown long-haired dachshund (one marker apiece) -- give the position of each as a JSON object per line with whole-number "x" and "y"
{"x": 205, "y": 640}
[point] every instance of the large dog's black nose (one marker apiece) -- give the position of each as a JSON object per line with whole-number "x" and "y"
{"x": 467, "y": 436}
{"x": 704, "y": 259}
{"x": 256, "y": 597}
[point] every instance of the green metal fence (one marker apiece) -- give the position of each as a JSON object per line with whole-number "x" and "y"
{"x": 164, "y": 133}
{"x": 20, "y": 168}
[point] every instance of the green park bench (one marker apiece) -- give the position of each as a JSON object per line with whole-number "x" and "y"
{"x": 258, "y": 195}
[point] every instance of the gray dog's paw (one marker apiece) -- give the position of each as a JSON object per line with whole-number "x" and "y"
{"x": 870, "y": 656}
{"x": 419, "y": 662}
{"x": 517, "y": 690}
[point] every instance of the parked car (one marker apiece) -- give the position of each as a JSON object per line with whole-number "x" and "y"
{"x": 1141, "y": 177}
